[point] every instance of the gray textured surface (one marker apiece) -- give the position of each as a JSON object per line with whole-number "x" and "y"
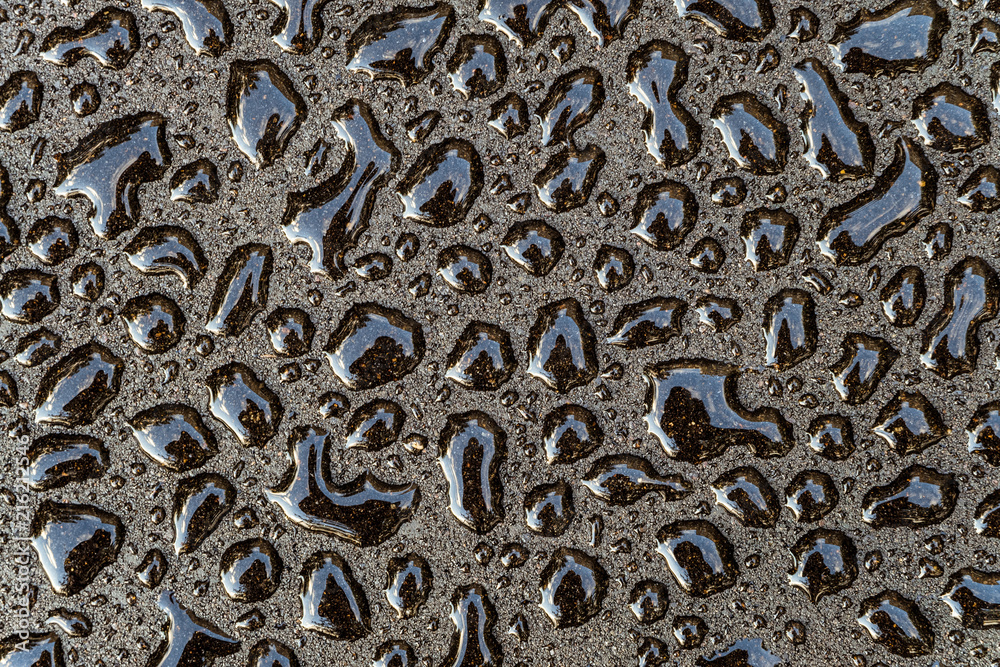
{"x": 125, "y": 616}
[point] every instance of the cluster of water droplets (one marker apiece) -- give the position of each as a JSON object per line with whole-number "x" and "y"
{"x": 196, "y": 318}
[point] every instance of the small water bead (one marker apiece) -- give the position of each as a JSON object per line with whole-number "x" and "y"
{"x": 52, "y": 240}
{"x": 251, "y": 570}
{"x": 832, "y": 437}
{"x": 613, "y": 267}
{"x": 919, "y": 496}
{"x": 729, "y": 191}
{"x": 648, "y": 601}
{"x": 290, "y": 331}
{"x": 465, "y": 269}
{"x": 747, "y": 495}
{"x": 549, "y": 508}
{"x": 707, "y": 255}
{"x": 826, "y": 562}
{"x": 513, "y": 555}
{"x": 897, "y": 624}
{"x": 811, "y": 495}
{"x": 573, "y": 588}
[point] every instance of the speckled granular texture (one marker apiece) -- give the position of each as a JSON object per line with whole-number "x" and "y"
{"x": 166, "y": 76}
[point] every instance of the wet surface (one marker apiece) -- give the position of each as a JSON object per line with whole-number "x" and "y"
{"x": 521, "y": 332}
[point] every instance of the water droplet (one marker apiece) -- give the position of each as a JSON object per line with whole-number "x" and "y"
{"x": 110, "y": 37}
{"x": 811, "y": 495}
{"x": 903, "y": 297}
{"x": 909, "y": 423}
{"x": 478, "y": 67}
{"x": 698, "y": 556}
{"x": 971, "y": 298}
{"x": 896, "y": 623}
{"x": 472, "y": 449}
{"x": 549, "y": 508}
{"x": 251, "y": 570}
{"x": 664, "y": 214}
{"x": 59, "y": 459}
{"x": 562, "y": 347}
{"x": 904, "y": 36}
{"x": 408, "y": 585}
{"x": 622, "y": 479}
{"x": 919, "y": 496}
{"x": 271, "y": 653}
{"x": 331, "y": 217}
{"x": 375, "y": 425}
{"x": 20, "y": 101}
{"x": 196, "y": 182}
{"x": 200, "y": 502}
{"x": 206, "y": 23}
{"x": 263, "y": 109}
{"x": 534, "y": 246}
{"x": 168, "y": 249}
{"x": 190, "y": 639}
{"x": 693, "y": 410}
{"x": 573, "y": 587}
{"x": 244, "y": 404}
{"x": 108, "y": 166}
{"x": 747, "y": 495}
{"x": 851, "y": 233}
{"x": 443, "y": 184}
{"x": 657, "y": 71}
{"x": 826, "y": 562}
{"x": 74, "y": 543}
{"x": 568, "y": 178}
{"x": 373, "y": 346}
{"x": 154, "y": 322}
{"x": 756, "y": 140}
{"x": 364, "y": 511}
{"x": 77, "y": 388}
{"x": 483, "y": 358}
{"x": 837, "y": 144}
